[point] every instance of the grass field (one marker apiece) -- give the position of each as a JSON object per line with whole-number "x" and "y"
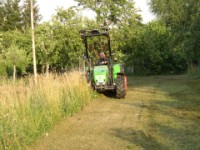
{"x": 170, "y": 108}
{"x": 28, "y": 111}
{"x": 159, "y": 113}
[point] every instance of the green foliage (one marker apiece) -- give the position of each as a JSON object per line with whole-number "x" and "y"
{"x": 21, "y": 39}
{"x": 68, "y": 44}
{"x": 151, "y": 51}
{"x": 15, "y": 14}
{"x": 46, "y": 43}
{"x": 160, "y": 47}
{"x": 10, "y": 14}
{"x": 111, "y": 11}
{"x": 2, "y": 64}
{"x": 182, "y": 18}
{"x": 15, "y": 56}
{"x": 16, "y": 51}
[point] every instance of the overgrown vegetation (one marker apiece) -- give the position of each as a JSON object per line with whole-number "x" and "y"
{"x": 28, "y": 111}
{"x": 167, "y": 45}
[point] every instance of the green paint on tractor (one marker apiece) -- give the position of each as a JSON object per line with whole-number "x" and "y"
{"x": 116, "y": 70}
{"x": 101, "y": 74}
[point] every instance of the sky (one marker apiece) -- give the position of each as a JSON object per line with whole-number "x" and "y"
{"x": 47, "y": 9}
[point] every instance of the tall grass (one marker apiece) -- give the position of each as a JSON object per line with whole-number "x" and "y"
{"x": 28, "y": 111}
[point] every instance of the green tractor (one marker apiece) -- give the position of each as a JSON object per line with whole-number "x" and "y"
{"x": 104, "y": 77}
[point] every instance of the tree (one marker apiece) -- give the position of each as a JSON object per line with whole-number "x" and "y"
{"x": 22, "y": 40}
{"x": 58, "y": 42}
{"x": 182, "y": 18}
{"x": 67, "y": 23}
{"x": 16, "y": 57}
{"x": 46, "y": 43}
{"x": 111, "y": 11}
{"x": 150, "y": 50}
{"x": 11, "y": 15}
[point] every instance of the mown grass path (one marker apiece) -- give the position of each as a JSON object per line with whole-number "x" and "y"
{"x": 158, "y": 113}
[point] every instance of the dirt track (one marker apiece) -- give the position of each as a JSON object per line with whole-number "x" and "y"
{"x": 112, "y": 124}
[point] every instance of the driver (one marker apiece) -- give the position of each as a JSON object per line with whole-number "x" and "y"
{"x": 102, "y": 60}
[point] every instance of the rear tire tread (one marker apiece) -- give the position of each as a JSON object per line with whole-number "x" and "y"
{"x": 120, "y": 87}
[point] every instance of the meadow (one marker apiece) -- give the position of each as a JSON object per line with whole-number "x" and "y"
{"x": 170, "y": 112}
{"x": 28, "y": 111}
{"x": 158, "y": 113}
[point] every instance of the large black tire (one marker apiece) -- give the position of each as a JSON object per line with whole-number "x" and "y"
{"x": 120, "y": 87}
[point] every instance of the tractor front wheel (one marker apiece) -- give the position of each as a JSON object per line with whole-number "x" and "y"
{"x": 120, "y": 86}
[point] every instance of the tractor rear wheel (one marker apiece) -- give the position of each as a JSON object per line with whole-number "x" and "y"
{"x": 120, "y": 86}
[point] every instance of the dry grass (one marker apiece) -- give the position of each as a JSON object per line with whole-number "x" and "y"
{"x": 28, "y": 111}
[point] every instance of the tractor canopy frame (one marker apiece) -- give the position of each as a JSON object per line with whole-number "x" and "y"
{"x": 88, "y": 33}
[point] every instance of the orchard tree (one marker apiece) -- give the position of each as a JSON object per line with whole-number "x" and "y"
{"x": 16, "y": 57}
{"x": 67, "y": 24}
{"x": 46, "y": 43}
{"x": 22, "y": 40}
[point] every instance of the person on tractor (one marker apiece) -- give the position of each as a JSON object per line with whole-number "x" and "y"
{"x": 102, "y": 60}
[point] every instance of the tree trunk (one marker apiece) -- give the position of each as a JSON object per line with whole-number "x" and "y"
{"x": 43, "y": 69}
{"x": 47, "y": 68}
{"x": 47, "y": 63}
{"x": 14, "y": 73}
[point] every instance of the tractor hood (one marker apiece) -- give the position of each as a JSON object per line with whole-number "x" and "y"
{"x": 101, "y": 75}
